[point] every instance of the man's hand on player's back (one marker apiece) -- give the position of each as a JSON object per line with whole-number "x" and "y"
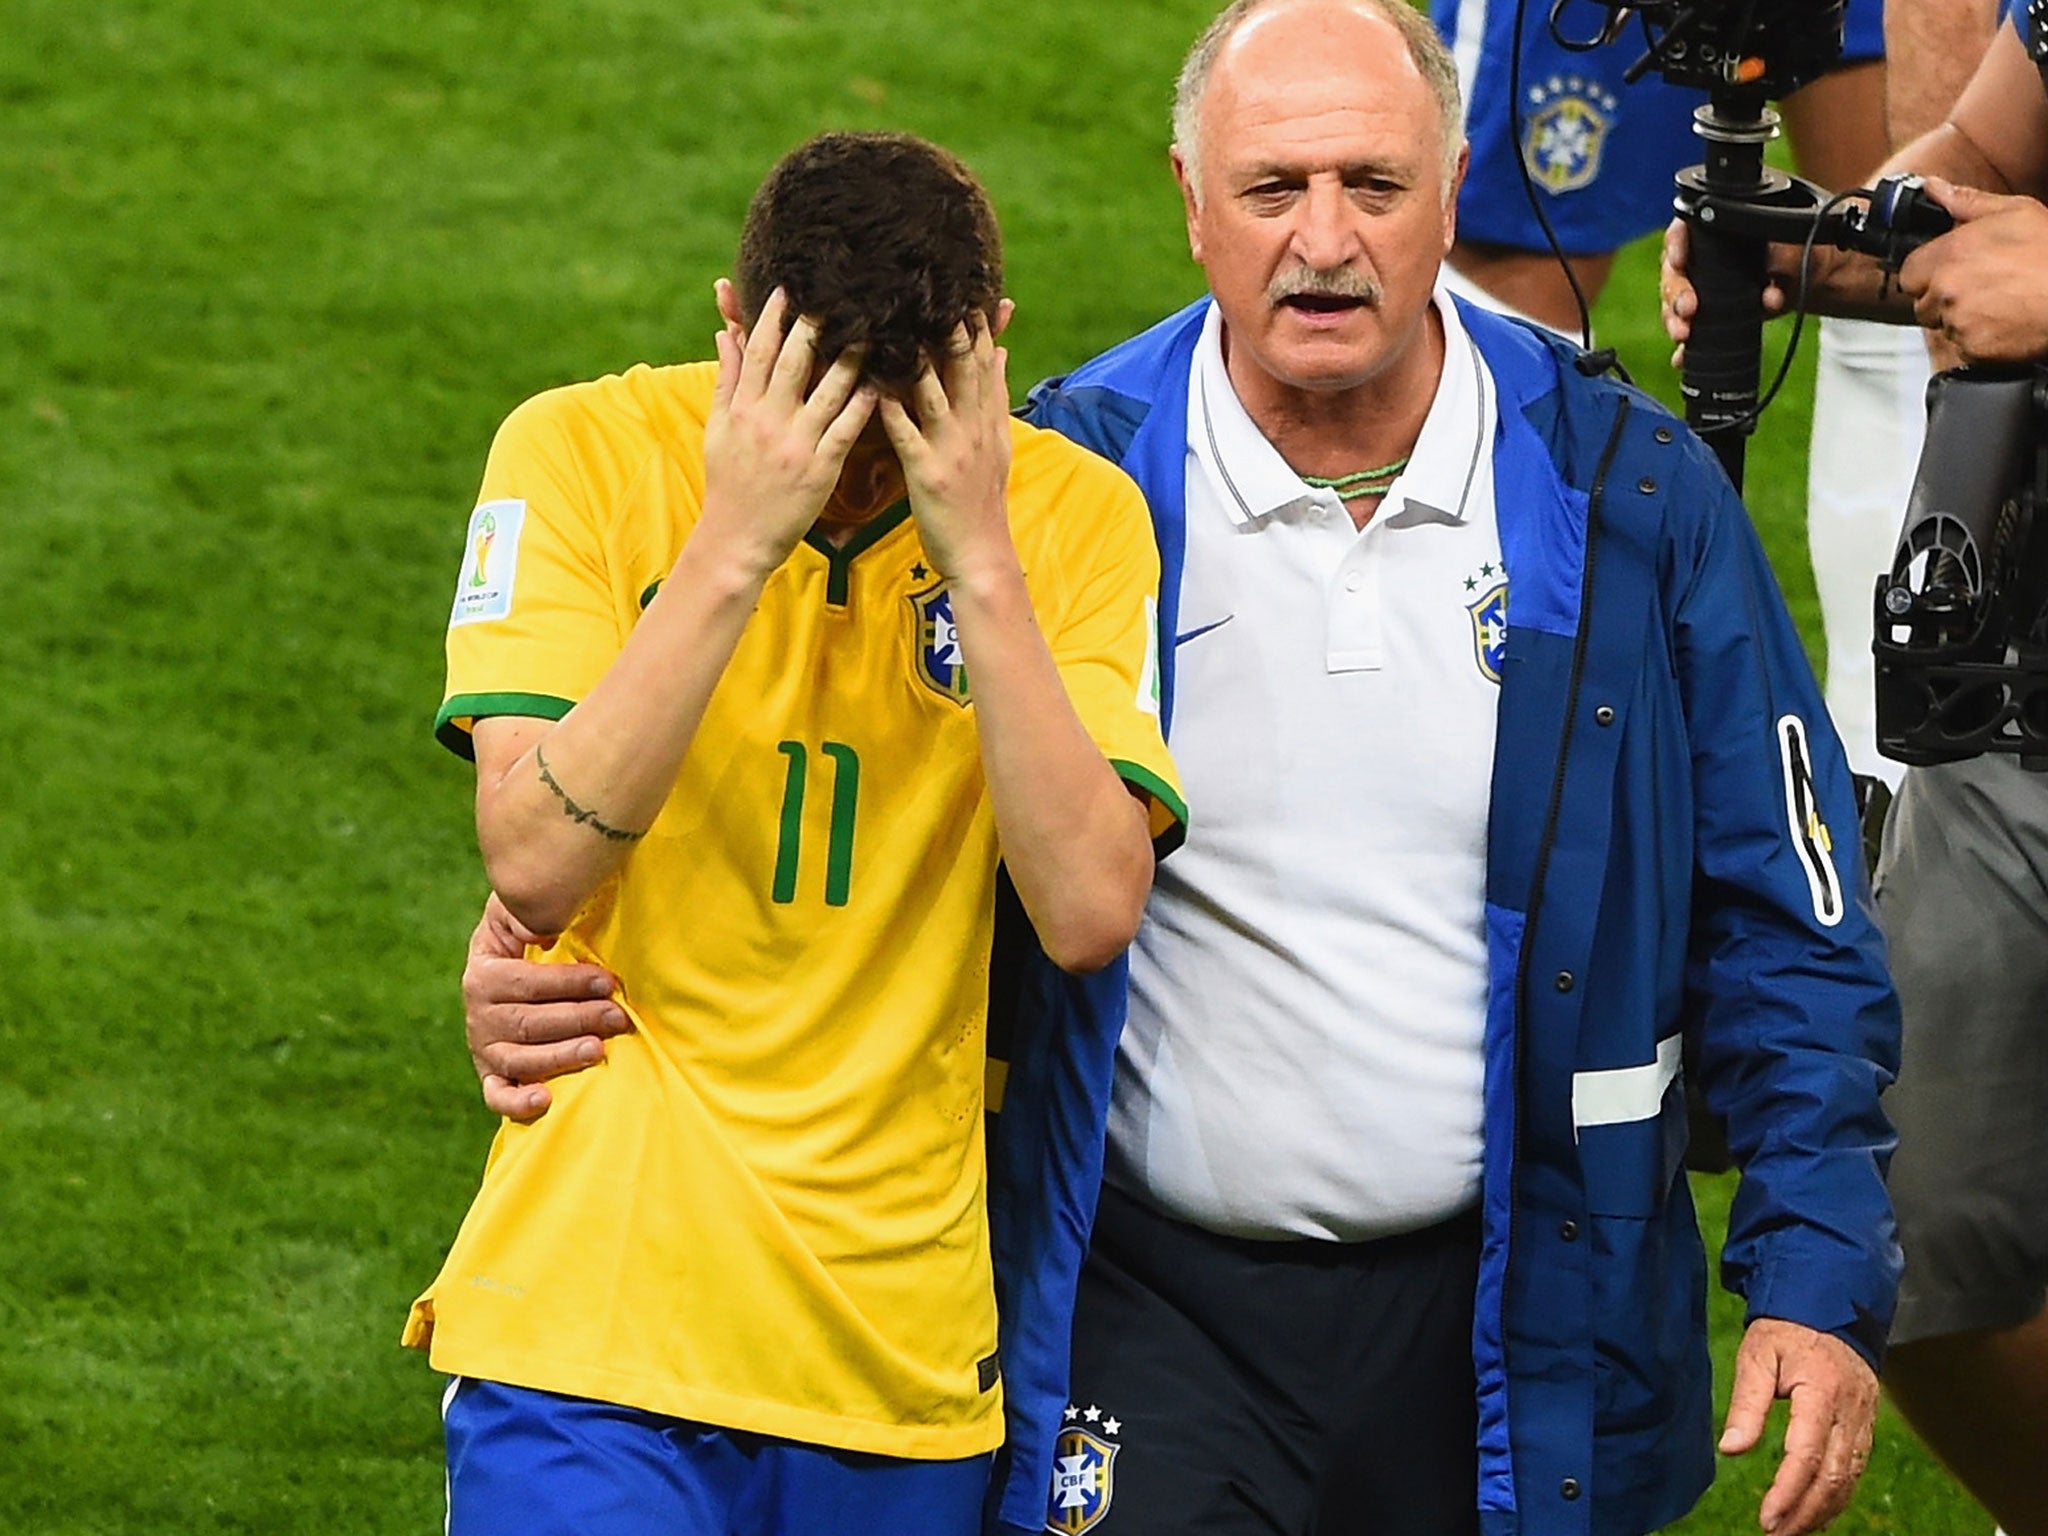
{"x": 529, "y": 1022}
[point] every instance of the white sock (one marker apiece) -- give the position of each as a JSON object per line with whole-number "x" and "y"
{"x": 1869, "y": 416}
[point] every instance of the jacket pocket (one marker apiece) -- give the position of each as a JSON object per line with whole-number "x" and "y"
{"x": 1628, "y": 1165}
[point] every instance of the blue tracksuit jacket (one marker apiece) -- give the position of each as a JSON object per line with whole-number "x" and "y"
{"x": 1672, "y": 847}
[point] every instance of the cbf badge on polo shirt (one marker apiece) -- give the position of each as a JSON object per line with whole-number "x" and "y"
{"x": 940, "y": 665}
{"x": 1489, "y": 612}
{"x": 1083, "y": 1472}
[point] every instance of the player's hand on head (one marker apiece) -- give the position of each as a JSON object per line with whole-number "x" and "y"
{"x": 1978, "y": 287}
{"x": 955, "y": 450}
{"x": 774, "y": 446}
{"x": 529, "y": 1022}
{"x": 1833, "y": 1393}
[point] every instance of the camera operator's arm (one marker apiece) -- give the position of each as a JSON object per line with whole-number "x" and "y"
{"x": 1931, "y": 47}
{"x": 1996, "y": 138}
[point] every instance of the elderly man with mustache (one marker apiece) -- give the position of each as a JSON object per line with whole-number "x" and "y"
{"x": 1508, "y": 770}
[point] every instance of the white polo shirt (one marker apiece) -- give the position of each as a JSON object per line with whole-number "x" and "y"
{"x": 1308, "y": 990}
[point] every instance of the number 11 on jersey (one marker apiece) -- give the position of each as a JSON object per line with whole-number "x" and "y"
{"x": 845, "y": 801}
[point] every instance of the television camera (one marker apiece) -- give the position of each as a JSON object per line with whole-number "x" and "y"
{"x": 1961, "y": 617}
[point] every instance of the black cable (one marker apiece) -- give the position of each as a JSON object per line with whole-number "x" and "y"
{"x": 1754, "y": 414}
{"x": 1657, "y": 46}
{"x": 1529, "y": 186}
{"x": 1598, "y": 40}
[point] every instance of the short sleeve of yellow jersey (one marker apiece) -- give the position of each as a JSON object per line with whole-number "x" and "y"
{"x": 1105, "y": 638}
{"x": 535, "y": 622}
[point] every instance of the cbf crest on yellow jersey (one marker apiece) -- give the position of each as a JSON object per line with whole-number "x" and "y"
{"x": 765, "y": 1209}
{"x": 939, "y": 661}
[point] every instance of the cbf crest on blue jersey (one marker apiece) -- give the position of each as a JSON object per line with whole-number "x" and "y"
{"x": 1083, "y": 1474}
{"x": 1489, "y": 611}
{"x": 940, "y": 665}
{"x": 1567, "y": 121}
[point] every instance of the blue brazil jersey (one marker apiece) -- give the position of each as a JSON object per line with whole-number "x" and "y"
{"x": 1602, "y": 153}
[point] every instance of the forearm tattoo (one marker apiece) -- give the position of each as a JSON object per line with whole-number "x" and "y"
{"x": 582, "y": 815}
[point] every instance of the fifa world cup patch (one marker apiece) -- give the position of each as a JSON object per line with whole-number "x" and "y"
{"x": 1083, "y": 1470}
{"x": 490, "y": 562}
{"x": 940, "y": 665}
{"x": 1565, "y": 125}
{"x": 1487, "y": 604}
{"x": 1148, "y": 679}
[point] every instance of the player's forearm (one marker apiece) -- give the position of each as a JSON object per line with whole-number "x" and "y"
{"x": 560, "y": 808}
{"x": 1073, "y": 837}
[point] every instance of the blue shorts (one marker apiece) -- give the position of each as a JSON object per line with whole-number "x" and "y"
{"x": 544, "y": 1465}
{"x": 1603, "y": 153}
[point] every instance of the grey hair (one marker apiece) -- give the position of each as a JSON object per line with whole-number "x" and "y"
{"x": 1431, "y": 57}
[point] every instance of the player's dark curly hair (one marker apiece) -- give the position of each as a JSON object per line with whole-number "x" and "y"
{"x": 882, "y": 238}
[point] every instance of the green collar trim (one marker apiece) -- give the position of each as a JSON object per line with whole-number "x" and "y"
{"x": 839, "y": 558}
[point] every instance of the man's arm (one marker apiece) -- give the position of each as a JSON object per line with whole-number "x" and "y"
{"x": 560, "y": 804}
{"x": 1793, "y": 1010}
{"x": 1073, "y": 838}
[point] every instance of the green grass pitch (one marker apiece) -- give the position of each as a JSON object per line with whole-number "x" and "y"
{"x": 269, "y": 276}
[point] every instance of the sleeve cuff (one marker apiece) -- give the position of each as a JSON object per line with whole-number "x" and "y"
{"x": 1169, "y": 813}
{"x": 461, "y": 710}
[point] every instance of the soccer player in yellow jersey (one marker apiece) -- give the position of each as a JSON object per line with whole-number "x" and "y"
{"x": 764, "y": 664}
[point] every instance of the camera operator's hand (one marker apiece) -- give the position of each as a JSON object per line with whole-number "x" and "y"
{"x": 1978, "y": 287}
{"x": 1837, "y": 282}
{"x": 1681, "y": 303}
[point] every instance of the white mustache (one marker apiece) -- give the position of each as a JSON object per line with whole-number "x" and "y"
{"x": 1303, "y": 281}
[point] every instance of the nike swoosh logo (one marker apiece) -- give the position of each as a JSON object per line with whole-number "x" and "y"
{"x": 1195, "y": 634}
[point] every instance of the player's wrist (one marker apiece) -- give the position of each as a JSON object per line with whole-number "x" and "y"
{"x": 966, "y": 542}
{"x": 984, "y": 574}
{"x": 731, "y": 554}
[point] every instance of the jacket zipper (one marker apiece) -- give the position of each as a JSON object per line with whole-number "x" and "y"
{"x": 1542, "y": 871}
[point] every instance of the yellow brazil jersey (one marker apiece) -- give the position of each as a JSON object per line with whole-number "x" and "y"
{"x": 765, "y": 1210}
